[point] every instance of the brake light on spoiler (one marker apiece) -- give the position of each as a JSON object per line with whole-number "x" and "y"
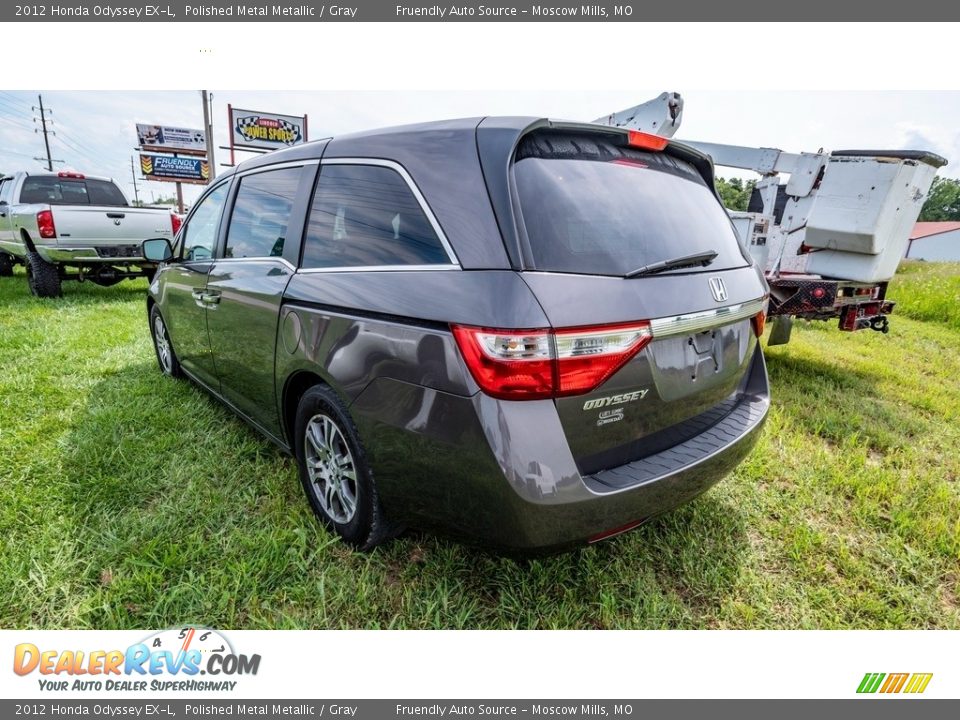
{"x": 646, "y": 141}
{"x": 547, "y": 363}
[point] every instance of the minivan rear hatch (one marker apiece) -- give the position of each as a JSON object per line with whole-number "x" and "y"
{"x": 618, "y": 236}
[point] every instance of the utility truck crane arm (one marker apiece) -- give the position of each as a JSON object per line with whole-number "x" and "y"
{"x": 831, "y": 237}
{"x": 661, "y": 116}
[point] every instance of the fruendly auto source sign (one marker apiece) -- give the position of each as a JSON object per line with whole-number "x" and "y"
{"x": 266, "y": 131}
{"x": 164, "y": 138}
{"x": 175, "y": 169}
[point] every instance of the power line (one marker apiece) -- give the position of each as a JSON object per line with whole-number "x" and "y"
{"x": 15, "y": 99}
{"x": 62, "y": 137}
{"x": 13, "y": 110}
{"x": 17, "y": 123}
{"x": 14, "y": 152}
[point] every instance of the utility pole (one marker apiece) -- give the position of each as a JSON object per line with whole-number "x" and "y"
{"x": 46, "y": 139}
{"x": 133, "y": 173}
{"x": 208, "y": 132}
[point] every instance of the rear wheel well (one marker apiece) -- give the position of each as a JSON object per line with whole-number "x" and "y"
{"x": 296, "y": 385}
{"x": 27, "y": 241}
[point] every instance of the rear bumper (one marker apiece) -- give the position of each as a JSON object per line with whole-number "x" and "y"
{"x": 88, "y": 255}
{"x": 468, "y": 466}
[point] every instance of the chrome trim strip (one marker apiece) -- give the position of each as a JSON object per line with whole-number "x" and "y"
{"x": 268, "y": 258}
{"x": 377, "y": 268}
{"x": 696, "y": 322}
{"x": 276, "y": 166}
{"x": 399, "y": 169}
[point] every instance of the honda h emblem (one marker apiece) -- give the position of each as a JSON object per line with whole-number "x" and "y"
{"x": 718, "y": 289}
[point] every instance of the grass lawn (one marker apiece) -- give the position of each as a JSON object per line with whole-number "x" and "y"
{"x": 131, "y": 500}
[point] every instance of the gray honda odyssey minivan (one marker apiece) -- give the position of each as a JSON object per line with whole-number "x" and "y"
{"x": 528, "y": 333}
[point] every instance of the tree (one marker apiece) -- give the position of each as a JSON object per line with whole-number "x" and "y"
{"x": 735, "y": 193}
{"x": 943, "y": 200}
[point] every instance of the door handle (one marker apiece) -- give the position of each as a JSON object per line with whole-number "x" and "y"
{"x": 205, "y": 298}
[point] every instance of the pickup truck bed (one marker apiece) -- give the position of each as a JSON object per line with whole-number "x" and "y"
{"x": 70, "y": 226}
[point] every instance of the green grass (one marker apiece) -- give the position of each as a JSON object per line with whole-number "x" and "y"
{"x": 928, "y": 291}
{"x": 131, "y": 500}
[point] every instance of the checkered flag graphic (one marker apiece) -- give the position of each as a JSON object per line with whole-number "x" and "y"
{"x": 244, "y": 125}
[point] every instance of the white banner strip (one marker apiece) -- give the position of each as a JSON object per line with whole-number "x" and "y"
{"x": 462, "y": 664}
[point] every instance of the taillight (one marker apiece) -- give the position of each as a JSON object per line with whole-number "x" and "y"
{"x": 646, "y": 141}
{"x": 515, "y": 364}
{"x": 175, "y": 222}
{"x": 587, "y": 357}
{"x": 533, "y": 364}
{"x": 759, "y": 320}
{"x": 45, "y": 224}
{"x": 71, "y": 174}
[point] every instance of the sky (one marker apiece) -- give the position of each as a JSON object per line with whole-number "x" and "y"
{"x": 95, "y": 130}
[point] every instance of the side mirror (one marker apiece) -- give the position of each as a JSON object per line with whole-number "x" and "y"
{"x": 156, "y": 250}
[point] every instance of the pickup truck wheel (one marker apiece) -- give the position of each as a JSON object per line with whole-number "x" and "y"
{"x": 334, "y": 471}
{"x": 6, "y": 265}
{"x": 166, "y": 357}
{"x": 42, "y": 277}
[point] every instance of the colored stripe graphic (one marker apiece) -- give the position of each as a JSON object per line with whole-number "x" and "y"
{"x": 894, "y": 683}
{"x": 918, "y": 682}
{"x": 870, "y": 682}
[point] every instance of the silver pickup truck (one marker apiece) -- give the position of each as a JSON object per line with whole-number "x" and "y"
{"x": 50, "y": 222}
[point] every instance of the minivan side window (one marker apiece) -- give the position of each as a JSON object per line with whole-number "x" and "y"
{"x": 199, "y": 236}
{"x": 367, "y": 216}
{"x": 261, "y": 212}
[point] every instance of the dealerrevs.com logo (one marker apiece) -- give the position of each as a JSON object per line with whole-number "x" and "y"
{"x": 180, "y": 659}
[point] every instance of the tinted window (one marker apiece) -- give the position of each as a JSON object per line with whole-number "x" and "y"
{"x": 593, "y": 208}
{"x": 52, "y": 190}
{"x": 199, "y": 236}
{"x": 366, "y": 215}
{"x": 258, "y": 225}
{"x": 5, "y": 190}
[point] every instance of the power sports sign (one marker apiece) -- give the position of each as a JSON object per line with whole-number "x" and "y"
{"x": 266, "y": 131}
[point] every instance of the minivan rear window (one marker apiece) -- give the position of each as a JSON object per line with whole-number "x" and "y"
{"x": 593, "y": 208}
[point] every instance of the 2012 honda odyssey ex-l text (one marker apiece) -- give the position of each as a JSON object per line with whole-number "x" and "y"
{"x": 528, "y": 333}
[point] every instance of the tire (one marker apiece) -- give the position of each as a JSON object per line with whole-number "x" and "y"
{"x": 338, "y": 483}
{"x": 162, "y": 347}
{"x": 6, "y": 265}
{"x": 42, "y": 277}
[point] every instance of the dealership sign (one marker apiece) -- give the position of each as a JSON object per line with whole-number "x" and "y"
{"x": 266, "y": 131}
{"x": 175, "y": 169}
{"x": 164, "y": 138}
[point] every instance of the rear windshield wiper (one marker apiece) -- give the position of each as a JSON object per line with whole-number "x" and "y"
{"x": 700, "y": 259}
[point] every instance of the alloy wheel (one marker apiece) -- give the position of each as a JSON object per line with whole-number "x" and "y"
{"x": 164, "y": 351}
{"x": 331, "y": 468}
